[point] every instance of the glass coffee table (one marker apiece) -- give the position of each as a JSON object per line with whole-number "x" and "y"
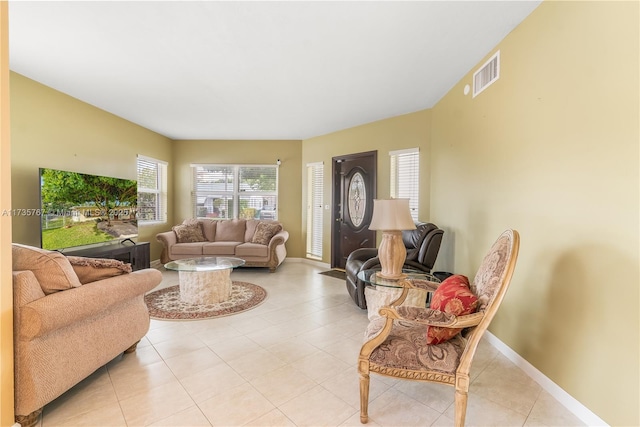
{"x": 205, "y": 280}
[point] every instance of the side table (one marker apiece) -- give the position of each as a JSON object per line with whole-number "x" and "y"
{"x": 382, "y": 292}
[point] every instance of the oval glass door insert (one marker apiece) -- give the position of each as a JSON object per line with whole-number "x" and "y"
{"x": 357, "y": 199}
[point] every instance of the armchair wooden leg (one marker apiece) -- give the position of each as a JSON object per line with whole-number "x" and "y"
{"x": 460, "y": 407}
{"x": 29, "y": 420}
{"x": 364, "y": 398}
{"x": 132, "y": 348}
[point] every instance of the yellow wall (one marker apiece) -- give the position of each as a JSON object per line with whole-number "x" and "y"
{"x": 6, "y": 288}
{"x": 552, "y": 150}
{"x": 244, "y": 152}
{"x": 51, "y": 129}
{"x": 396, "y": 133}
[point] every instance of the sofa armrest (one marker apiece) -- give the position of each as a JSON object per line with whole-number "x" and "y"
{"x": 168, "y": 239}
{"x": 26, "y": 288}
{"x": 278, "y": 239}
{"x": 63, "y": 308}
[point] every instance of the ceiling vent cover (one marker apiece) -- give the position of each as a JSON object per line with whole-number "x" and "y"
{"x": 487, "y": 74}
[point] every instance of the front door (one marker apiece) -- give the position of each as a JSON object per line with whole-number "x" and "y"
{"x": 354, "y": 188}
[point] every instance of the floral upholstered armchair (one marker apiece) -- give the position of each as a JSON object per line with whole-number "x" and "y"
{"x": 437, "y": 344}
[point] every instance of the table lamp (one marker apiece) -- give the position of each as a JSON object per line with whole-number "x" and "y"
{"x": 391, "y": 216}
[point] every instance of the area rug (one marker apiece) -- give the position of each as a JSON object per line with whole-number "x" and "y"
{"x": 165, "y": 304}
{"x": 337, "y": 274}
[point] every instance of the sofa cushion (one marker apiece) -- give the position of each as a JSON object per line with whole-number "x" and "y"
{"x": 220, "y": 248}
{"x": 252, "y": 250}
{"x": 209, "y": 228}
{"x": 52, "y": 269}
{"x": 94, "y": 269}
{"x": 230, "y": 231}
{"x": 187, "y": 248}
{"x": 452, "y": 296}
{"x": 264, "y": 232}
{"x": 251, "y": 229}
{"x": 189, "y": 232}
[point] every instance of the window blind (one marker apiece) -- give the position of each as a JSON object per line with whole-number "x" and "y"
{"x": 235, "y": 191}
{"x": 315, "y": 199}
{"x": 152, "y": 189}
{"x": 405, "y": 177}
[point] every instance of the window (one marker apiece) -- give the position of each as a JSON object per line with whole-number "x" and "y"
{"x": 405, "y": 176}
{"x": 152, "y": 189}
{"x": 315, "y": 176}
{"x": 235, "y": 191}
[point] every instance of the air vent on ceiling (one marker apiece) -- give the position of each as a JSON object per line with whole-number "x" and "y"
{"x": 487, "y": 74}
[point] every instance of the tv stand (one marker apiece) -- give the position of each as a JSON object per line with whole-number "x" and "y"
{"x": 138, "y": 254}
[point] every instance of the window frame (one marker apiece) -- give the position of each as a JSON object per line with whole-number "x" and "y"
{"x": 160, "y": 192}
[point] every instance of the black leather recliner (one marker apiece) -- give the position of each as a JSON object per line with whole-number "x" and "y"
{"x": 422, "y": 245}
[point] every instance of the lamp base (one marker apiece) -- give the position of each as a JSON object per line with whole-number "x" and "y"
{"x": 392, "y": 254}
{"x": 391, "y": 276}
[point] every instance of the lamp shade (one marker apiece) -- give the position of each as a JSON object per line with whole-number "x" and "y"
{"x": 392, "y": 214}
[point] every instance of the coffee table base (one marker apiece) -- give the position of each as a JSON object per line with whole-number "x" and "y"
{"x": 205, "y": 287}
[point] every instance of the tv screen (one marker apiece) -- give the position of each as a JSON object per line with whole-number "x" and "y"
{"x": 83, "y": 209}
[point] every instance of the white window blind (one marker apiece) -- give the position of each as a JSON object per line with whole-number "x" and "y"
{"x": 405, "y": 177}
{"x": 152, "y": 189}
{"x": 315, "y": 199}
{"x": 235, "y": 191}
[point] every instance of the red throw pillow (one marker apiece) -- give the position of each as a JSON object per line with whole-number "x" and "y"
{"x": 452, "y": 296}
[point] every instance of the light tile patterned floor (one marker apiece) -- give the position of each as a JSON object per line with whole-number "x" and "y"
{"x": 289, "y": 362}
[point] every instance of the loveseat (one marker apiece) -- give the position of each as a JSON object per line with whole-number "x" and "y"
{"x": 260, "y": 243}
{"x": 71, "y": 316}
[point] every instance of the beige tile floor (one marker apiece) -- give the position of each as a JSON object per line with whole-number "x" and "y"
{"x": 288, "y": 362}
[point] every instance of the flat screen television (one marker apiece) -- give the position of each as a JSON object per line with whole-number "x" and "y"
{"x": 83, "y": 209}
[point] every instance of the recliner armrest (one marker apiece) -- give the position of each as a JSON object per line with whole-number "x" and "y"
{"x": 430, "y": 248}
{"x": 362, "y": 254}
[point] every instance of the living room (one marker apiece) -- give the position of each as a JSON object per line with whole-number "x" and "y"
{"x": 550, "y": 150}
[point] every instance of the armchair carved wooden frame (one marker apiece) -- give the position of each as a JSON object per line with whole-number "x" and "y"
{"x": 396, "y": 343}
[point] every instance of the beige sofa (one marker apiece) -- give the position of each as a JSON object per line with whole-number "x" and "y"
{"x": 69, "y": 320}
{"x": 260, "y": 243}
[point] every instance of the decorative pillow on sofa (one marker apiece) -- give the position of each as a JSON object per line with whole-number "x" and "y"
{"x": 452, "y": 296}
{"x": 94, "y": 269}
{"x": 52, "y": 269}
{"x": 264, "y": 232}
{"x": 190, "y": 231}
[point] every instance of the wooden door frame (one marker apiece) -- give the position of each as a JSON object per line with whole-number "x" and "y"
{"x": 335, "y": 197}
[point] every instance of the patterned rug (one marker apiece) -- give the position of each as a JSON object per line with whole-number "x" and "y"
{"x": 165, "y": 304}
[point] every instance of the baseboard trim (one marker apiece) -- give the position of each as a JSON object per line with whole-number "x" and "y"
{"x": 569, "y": 402}
{"x": 156, "y": 262}
{"x": 315, "y": 263}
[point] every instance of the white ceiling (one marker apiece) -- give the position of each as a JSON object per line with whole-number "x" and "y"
{"x": 256, "y": 70}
